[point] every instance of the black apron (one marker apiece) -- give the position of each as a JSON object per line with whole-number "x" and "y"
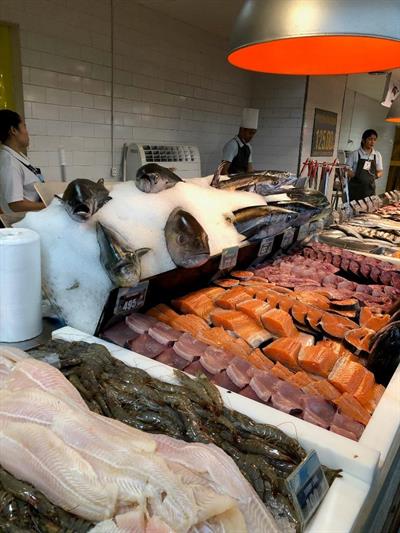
{"x": 241, "y": 160}
{"x": 362, "y": 184}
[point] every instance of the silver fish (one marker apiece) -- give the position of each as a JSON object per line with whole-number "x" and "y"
{"x": 187, "y": 242}
{"x": 121, "y": 264}
{"x": 258, "y": 222}
{"x": 153, "y": 178}
{"x": 265, "y": 180}
{"x": 83, "y": 198}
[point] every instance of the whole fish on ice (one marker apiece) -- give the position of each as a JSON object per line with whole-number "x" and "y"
{"x": 262, "y": 182}
{"x": 83, "y": 198}
{"x": 121, "y": 264}
{"x": 261, "y": 221}
{"x": 153, "y": 178}
{"x": 187, "y": 242}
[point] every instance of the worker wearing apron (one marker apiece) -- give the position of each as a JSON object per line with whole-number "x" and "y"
{"x": 364, "y": 167}
{"x": 237, "y": 153}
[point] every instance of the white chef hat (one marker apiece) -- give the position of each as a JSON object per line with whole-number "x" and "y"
{"x": 249, "y": 118}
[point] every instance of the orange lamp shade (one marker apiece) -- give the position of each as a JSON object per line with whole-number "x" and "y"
{"x": 319, "y": 55}
{"x": 317, "y": 37}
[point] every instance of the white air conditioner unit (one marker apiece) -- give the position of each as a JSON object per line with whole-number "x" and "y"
{"x": 184, "y": 159}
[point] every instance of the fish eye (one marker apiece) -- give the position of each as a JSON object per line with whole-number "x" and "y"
{"x": 181, "y": 239}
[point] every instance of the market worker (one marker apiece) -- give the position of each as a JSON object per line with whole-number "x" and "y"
{"x": 237, "y": 152}
{"x": 17, "y": 175}
{"x": 365, "y": 166}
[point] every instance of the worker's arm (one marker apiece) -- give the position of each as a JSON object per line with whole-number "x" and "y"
{"x": 26, "y": 205}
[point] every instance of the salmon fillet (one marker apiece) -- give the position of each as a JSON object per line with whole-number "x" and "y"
{"x": 317, "y": 359}
{"x": 214, "y": 336}
{"x": 301, "y": 379}
{"x": 253, "y": 308}
{"x": 162, "y": 312}
{"x": 299, "y": 312}
{"x": 377, "y": 322}
{"x": 231, "y": 297}
{"x": 351, "y": 407}
{"x": 281, "y": 371}
{"x": 377, "y": 393}
{"x": 336, "y": 326}
{"x": 284, "y": 350}
{"x": 347, "y": 375}
{"x": 279, "y": 323}
{"x": 313, "y": 318}
{"x": 244, "y": 326}
{"x": 365, "y": 389}
{"x": 324, "y": 389}
{"x": 189, "y": 323}
{"x": 259, "y": 360}
{"x": 212, "y": 292}
{"x": 359, "y": 338}
{"x": 286, "y": 303}
{"x": 196, "y": 304}
{"x": 312, "y": 298}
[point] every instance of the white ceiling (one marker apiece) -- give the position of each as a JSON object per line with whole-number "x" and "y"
{"x": 214, "y": 16}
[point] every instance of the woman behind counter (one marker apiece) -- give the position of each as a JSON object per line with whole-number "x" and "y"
{"x": 17, "y": 175}
{"x": 365, "y": 166}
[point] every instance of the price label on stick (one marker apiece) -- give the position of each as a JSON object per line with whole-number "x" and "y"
{"x": 288, "y": 237}
{"x": 304, "y": 230}
{"x": 307, "y": 486}
{"x": 131, "y": 299}
{"x": 370, "y": 205}
{"x": 265, "y": 246}
{"x": 228, "y": 258}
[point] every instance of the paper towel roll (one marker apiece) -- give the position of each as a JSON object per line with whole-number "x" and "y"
{"x": 20, "y": 285}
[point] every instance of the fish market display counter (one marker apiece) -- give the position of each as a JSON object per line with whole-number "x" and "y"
{"x": 365, "y": 464}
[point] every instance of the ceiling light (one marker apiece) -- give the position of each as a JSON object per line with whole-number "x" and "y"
{"x": 311, "y": 37}
{"x": 394, "y": 112}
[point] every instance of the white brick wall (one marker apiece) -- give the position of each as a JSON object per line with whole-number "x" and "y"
{"x": 171, "y": 83}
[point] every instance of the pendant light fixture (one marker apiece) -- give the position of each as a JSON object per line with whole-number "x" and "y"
{"x": 394, "y": 112}
{"x": 311, "y": 37}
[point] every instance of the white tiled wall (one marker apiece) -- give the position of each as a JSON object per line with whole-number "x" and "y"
{"x": 361, "y": 112}
{"x": 171, "y": 83}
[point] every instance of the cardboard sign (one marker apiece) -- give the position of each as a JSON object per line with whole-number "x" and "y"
{"x": 228, "y": 258}
{"x": 304, "y": 231}
{"x": 307, "y": 486}
{"x": 131, "y": 299}
{"x": 288, "y": 237}
{"x": 265, "y": 246}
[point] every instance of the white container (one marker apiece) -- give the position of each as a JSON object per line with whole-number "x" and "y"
{"x": 20, "y": 285}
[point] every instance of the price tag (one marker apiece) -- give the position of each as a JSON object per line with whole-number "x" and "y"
{"x": 265, "y": 246}
{"x": 304, "y": 231}
{"x": 288, "y": 237}
{"x": 370, "y": 205}
{"x": 228, "y": 258}
{"x": 131, "y": 299}
{"x": 363, "y": 205}
{"x": 355, "y": 206}
{"x": 307, "y": 486}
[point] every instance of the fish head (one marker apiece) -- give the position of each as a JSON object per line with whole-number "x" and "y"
{"x": 187, "y": 242}
{"x": 153, "y": 178}
{"x": 127, "y": 273}
{"x": 83, "y": 197}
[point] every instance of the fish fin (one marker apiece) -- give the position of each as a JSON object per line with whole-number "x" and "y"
{"x": 100, "y": 181}
{"x": 58, "y": 198}
{"x": 217, "y": 174}
{"x": 142, "y": 251}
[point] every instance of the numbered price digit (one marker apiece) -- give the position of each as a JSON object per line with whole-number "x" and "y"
{"x": 131, "y": 299}
{"x": 228, "y": 258}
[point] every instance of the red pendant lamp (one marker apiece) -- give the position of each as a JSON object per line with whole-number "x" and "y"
{"x": 394, "y": 112}
{"x": 317, "y": 37}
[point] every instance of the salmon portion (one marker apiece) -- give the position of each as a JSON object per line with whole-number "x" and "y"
{"x": 366, "y": 314}
{"x": 272, "y": 297}
{"x": 281, "y": 371}
{"x": 377, "y": 322}
{"x": 250, "y": 290}
{"x": 279, "y": 323}
{"x": 338, "y": 348}
{"x": 212, "y": 292}
{"x": 359, "y": 338}
{"x": 323, "y": 388}
{"x": 336, "y": 326}
{"x": 347, "y": 375}
{"x": 242, "y": 274}
{"x": 195, "y": 303}
{"x": 284, "y": 350}
{"x": 226, "y": 283}
{"x": 313, "y": 298}
{"x": 299, "y": 312}
{"x": 253, "y": 308}
{"x": 163, "y": 312}
{"x": 214, "y": 336}
{"x": 313, "y": 318}
{"x": 301, "y": 379}
{"x": 244, "y": 326}
{"x": 317, "y": 359}
{"x": 190, "y": 324}
{"x": 377, "y": 393}
{"x": 286, "y": 303}
{"x": 351, "y": 407}
{"x": 259, "y": 360}
{"x": 365, "y": 389}
{"x": 232, "y": 297}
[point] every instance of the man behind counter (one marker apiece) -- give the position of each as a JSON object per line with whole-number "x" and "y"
{"x": 17, "y": 175}
{"x": 236, "y": 155}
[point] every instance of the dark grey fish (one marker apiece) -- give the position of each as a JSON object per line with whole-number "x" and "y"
{"x": 121, "y": 264}
{"x": 304, "y": 210}
{"x": 310, "y": 196}
{"x": 187, "y": 242}
{"x": 264, "y": 180}
{"x": 258, "y": 222}
{"x": 152, "y": 178}
{"x": 83, "y": 198}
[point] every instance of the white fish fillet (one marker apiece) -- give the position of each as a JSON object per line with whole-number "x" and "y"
{"x": 224, "y": 477}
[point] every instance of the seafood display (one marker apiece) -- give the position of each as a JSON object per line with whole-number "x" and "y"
{"x": 261, "y": 221}
{"x": 153, "y": 178}
{"x": 83, "y": 198}
{"x": 263, "y": 182}
{"x": 191, "y": 410}
{"x": 187, "y": 242}
{"x": 104, "y": 470}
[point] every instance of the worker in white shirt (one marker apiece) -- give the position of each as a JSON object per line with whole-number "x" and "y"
{"x": 17, "y": 175}
{"x": 237, "y": 153}
{"x": 364, "y": 167}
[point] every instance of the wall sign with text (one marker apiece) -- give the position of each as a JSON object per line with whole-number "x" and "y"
{"x": 324, "y": 133}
